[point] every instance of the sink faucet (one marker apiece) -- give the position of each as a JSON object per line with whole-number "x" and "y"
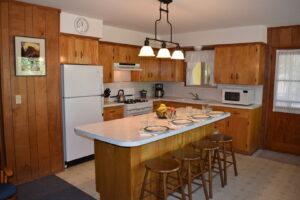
{"x": 195, "y": 95}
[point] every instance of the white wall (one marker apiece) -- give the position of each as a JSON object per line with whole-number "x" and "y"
{"x": 67, "y": 25}
{"x": 120, "y": 35}
{"x": 222, "y": 36}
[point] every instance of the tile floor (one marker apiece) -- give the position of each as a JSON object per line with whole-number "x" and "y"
{"x": 259, "y": 178}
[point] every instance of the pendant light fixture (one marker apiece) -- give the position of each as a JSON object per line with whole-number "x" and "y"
{"x": 147, "y": 50}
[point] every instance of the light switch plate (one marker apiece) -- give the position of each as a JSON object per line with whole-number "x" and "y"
{"x": 18, "y": 99}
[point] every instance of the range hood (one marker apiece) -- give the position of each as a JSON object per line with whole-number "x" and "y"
{"x": 127, "y": 67}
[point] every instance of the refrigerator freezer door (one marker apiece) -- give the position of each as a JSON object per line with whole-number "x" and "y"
{"x": 79, "y": 111}
{"x": 82, "y": 80}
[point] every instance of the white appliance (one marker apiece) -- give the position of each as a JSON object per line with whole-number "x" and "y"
{"x": 82, "y": 103}
{"x": 238, "y": 96}
{"x": 137, "y": 107}
{"x": 127, "y": 67}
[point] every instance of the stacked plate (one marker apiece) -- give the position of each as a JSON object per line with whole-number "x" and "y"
{"x": 201, "y": 117}
{"x": 185, "y": 122}
{"x": 156, "y": 129}
{"x": 216, "y": 113}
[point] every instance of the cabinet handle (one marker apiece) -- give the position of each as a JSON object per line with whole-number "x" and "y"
{"x": 110, "y": 75}
{"x": 231, "y": 76}
{"x": 237, "y": 76}
{"x": 129, "y": 58}
{"x": 228, "y": 123}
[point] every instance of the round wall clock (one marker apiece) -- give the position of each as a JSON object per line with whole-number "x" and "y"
{"x": 81, "y": 25}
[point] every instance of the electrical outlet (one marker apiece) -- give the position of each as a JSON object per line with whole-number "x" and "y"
{"x": 18, "y": 99}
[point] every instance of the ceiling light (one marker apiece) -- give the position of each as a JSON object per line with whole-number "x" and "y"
{"x": 177, "y": 54}
{"x": 163, "y": 52}
{"x": 146, "y": 50}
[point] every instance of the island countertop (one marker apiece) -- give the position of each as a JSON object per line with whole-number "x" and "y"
{"x": 126, "y": 132}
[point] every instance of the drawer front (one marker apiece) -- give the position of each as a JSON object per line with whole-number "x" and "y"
{"x": 234, "y": 111}
{"x": 115, "y": 112}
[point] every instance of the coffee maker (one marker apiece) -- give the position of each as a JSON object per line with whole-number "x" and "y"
{"x": 159, "y": 90}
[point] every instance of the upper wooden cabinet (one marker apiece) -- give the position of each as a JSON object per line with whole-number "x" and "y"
{"x": 240, "y": 64}
{"x": 172, "y": 70}
{"x": 78, "y": 50}
{"x": 106, "y": 59}
{"x": 126, "y": 54}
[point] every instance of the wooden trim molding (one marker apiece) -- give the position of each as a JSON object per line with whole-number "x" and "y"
{"x": 80, "y": 36}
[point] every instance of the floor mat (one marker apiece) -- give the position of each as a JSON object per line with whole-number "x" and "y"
{"x": 50, "y": 188}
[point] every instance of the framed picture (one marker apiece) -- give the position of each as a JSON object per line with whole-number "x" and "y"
{"x": 30, "y": 56}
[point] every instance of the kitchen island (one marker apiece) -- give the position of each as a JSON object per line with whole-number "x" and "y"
{"x": 121, "y": 148}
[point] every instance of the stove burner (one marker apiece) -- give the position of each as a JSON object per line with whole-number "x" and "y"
{"x": 132, "y": 101}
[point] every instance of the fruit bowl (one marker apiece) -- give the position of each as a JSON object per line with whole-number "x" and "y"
{"x": 161, "y": 115}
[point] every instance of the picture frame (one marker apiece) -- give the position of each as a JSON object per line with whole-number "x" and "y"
{"x": 30, "y": 56}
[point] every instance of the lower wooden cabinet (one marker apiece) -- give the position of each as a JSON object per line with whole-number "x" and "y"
{"x": 114, "y": 112}
{"x": 244, "y": 126}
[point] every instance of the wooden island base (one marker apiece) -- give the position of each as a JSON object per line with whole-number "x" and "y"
{"x": 120, "y": 170}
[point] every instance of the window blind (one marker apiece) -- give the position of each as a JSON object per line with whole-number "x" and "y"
{"x": 287, "y": 82}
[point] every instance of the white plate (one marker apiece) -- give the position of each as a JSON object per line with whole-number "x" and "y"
{"x": 216, "y": 113}
{"x": 182, "y": 122}
{"x": 201, "y": 116}
{"x": 156, "y": 129}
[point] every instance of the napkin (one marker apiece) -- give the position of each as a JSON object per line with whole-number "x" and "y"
{"x": 143, "y": 133}
{"x": 175, "y": 127}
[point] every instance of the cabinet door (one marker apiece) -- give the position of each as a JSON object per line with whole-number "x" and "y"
{"x": 238, "y": 129}
{"x": 224, "y": 65}
{"x": 167, "y": 70}
{"x": 111, "y": 113}
{"x": 106, "y": 59}
{"x": 247, "y": 68}
{"x": 154, "y": 70}
{"x": 133, "y": 55}
{"x": 179, "y": 70}
{"x": 89, "y": 53}
{"x": 68, "y": 55}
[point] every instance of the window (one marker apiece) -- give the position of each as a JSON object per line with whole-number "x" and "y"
{"x": 200, "y": 65}
{"x": 287, "y": 82}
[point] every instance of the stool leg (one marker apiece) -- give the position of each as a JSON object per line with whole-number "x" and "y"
{"x": 233, "y": 159}
{"x": 144, "y": 185}
{"x": 224, "y": 163}
{"x": 165, "y": 186}
{"x": 203, "y": 181}
{"x": 210, "y": 173}
{"x": 220, "y": 167}
{"x": 181, "y": 185}
{"x": 189, "y": 181}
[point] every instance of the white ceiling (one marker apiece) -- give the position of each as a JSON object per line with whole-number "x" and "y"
{"x": 185, "y": 15}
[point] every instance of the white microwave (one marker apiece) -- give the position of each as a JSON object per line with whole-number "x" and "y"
{"x": 238, "y": 96}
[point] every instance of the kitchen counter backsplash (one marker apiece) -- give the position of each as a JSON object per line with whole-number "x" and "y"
{"x": 172, "y": 89}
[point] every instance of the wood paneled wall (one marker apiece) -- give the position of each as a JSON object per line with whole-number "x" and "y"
{"x": 281, "y": 129}
{"x": 32, "y": 130}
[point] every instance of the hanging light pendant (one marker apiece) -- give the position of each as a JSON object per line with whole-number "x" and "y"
{"x": 177, "y": 54}
{"x": 163, "y": 52}
{"x": 147, "y": 50}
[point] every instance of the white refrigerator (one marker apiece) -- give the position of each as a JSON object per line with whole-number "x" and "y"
{"x": 82, "y": 103}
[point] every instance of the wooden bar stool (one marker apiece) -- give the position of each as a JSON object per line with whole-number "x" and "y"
{"x": 163, "y": 167}
{"x": 225, "y": 141}
{"x": 210, "y": 150}
{"x": 191, "y": 169}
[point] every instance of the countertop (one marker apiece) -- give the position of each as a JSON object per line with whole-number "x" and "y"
{"x": 126, "y": 132}
{"x": 191, "y": 101}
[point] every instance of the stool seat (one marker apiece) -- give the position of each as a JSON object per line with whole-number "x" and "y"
{"x": 186, "y": 154}
{"x": 205, "y": 145}
{"x": 162, "y": 165}
{"x": 220, "y": 138}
